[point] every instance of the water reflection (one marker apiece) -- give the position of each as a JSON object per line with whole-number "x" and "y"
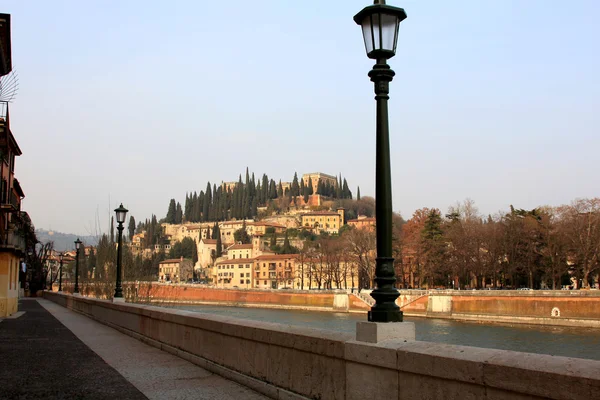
{"x": 559, "y": 341}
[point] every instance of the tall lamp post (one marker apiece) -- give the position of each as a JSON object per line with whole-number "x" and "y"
{"x": 121, "y": 213}
{"x": 60, "y": 258}
{"x": 77, "y": 246}
{"x": 380, "y": 24}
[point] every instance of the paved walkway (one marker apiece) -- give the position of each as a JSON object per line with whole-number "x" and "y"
{"x": 53, "y": 353}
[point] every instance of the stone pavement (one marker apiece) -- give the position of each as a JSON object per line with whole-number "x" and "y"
{"x": 53, "y": 353}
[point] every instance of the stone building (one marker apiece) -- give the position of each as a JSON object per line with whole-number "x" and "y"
{"x": 175, "y": 270}
{"x": 315, "y": 177}
{"x": 323, "y": 221}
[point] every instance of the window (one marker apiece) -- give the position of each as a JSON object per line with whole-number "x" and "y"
{"x": 265, "y": 282}
{"x": 246, "y": 255}
{"x": 234, "y": 256}
{"x": 247, "y": 274}
{"x": 241, "y": 281}
{"x": 264, "y": 273}
{"x": 247, "y": 265}
{"x": 248, "y": 281}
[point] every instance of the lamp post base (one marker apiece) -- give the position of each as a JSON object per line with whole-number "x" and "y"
{"x": 375, "y": 332}
{"x": 118, "y": 300}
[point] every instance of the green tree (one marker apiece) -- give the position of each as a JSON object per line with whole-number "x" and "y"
{"x": 358, "y": 193}
{"x": 219, "y": 251}
{"x": 434, "y": 246}
{"x": 310, "y": 186}
{"x": 131, "y": 228}
{"x": 171, "y": 212}
{"x": 295, "y": 187}
{"x": 241, "y": 235}
{"x": 178, "y": 214}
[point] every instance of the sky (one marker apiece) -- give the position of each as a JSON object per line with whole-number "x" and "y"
{"x": 142, "y": 101}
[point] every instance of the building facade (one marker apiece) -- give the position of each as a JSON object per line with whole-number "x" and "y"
{"x": 362, "y": 222}
{"x": 315, "y": 177}
{"x": 177, "y": 270}
{"x": 275, "y": 271}
{"x": 234, "y": 273}
{"x": 15, "y": 225}
{"x": 323, "y": 221}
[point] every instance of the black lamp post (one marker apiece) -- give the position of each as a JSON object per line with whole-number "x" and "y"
{"x": 380, "y": 24}
{"x": 77, "y": 246}
{"x": 60, "y": 258}
{"x": 121, "y": 213}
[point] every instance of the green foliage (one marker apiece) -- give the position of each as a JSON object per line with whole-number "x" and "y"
{"x": 241, "y": 235}
{"x": 358, "y": 193}
{"x": 131, "y": 228}
{"x": 186, "y": 248}
{"x": 171, "y": 212}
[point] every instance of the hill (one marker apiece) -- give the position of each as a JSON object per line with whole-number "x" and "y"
{"x": 63, "y": 241}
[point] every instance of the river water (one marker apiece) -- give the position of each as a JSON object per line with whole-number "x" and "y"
{"x": 558, "y": 341}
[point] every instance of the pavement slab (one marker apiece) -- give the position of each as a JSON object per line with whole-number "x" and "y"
{"x": 155, "y": 373}
{"x": 40, "y": 358}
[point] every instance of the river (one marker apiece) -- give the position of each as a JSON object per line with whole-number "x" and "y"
{"x": 558, "y": 341}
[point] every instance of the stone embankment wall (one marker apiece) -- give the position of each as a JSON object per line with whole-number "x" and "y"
{"x": 148, "y": 292}
{"x": 285, "y": 362}
{"x": 560, "y": 308}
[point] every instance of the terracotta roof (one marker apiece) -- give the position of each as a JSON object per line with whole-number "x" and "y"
{"x": 320, "y": 213}
{"x": 266, "y": 223}
{"x": 192, "y": 227}
{"x": 236, "y": 261}
{"x": 240, "y": 247}
{"x": 171, "y": 261}
{"x": 209, "y": 241}
{"x": 275, "y": 256}
{"x": 362, "y": 219}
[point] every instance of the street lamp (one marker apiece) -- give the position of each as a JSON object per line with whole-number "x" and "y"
{"x": 60, "y": 258}
{"x": 77, "y": 246}
{"x": 380, "y": 24}
{"x": 121, "y": 213}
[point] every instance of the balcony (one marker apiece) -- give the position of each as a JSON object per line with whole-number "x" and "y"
{"x": 9, "y": 201}
{"x": 13, "y": 241}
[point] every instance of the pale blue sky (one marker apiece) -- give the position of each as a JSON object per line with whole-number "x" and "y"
{"x": 141, "y": 101}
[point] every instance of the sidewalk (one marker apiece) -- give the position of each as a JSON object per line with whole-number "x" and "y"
{"x": 53, "y": 353}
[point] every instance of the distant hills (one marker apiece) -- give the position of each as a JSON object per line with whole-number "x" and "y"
{"x": 63, "y": 241}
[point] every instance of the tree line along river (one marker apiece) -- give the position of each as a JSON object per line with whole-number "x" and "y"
{"x": 558, "y": 341}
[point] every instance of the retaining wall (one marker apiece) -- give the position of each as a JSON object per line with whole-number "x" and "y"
{"x": 286, "y": 362}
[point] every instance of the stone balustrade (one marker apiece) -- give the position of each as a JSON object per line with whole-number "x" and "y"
{"x": 287, "y": 362}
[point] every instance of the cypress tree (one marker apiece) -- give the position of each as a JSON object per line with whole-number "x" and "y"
{"x": 295, "y": 186}
{"x": 215, "y": 232}
{"x": 171, "y": 212}
{"x": 207, "y": 202}
{"x": 280, "y": 189}
{"x": 265, "y": 188}
{"x": 272, "y": 190}
{"x": 112, "y": 229}
{"x": 131, "y": 228}
{"x": 219, "y": 251}
{"x": 178, "y": 214}
{"x": 254, "y": 207}
{"x": 187, "y": 208}
{"x": 310, "y": 186}
{"x": 358, "y": 193}
{"x": 346, "y": 193}
{"x": 302, "y": 188}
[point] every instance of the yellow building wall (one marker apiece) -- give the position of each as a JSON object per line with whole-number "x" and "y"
{"x": 9, "y": 284}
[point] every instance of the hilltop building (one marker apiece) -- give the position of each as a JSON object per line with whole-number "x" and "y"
{"x": 315, "y": 177}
